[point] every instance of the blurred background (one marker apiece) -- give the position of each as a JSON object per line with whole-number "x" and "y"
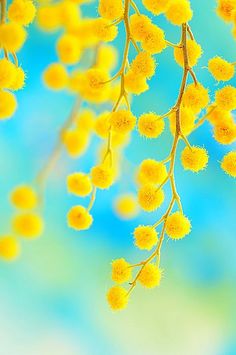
{"x": 52, "y": 299}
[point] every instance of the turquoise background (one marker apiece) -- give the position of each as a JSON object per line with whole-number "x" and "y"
{"x": 52, "y": 300}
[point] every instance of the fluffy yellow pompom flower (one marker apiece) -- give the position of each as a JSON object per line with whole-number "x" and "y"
{"x": 19, "y": 79}
{"x": 110, "y": 9}
{"x": 22, "y": 12}
{"x": 225, "y": 132}
{"x": 177, "y": 226}
{"x": 69, "y": 13}
{"x": 152, "y": 171}
{"x": 225, "y": 9}
{"x": 145, "y": 237}
{"x": 49, "y": 17}
{"x": 135, "y": 84}
{"x": 187, "y": 120}
{"x": 122, "y": 121}
{"x": 196, "y": 97}
{"x": 216, "y": 115}
{"x": 79, "y": 184}
{"x": 24, "y": 197}
{"x": 85, "y": 120}
{"x": 106, "y": 57}
{"x": 93, "y": 86}
{"x": 68, "y": 49}
{"x": 178, "y": 12}
{"x": 150, "y": 197}
{"x": 7, "y": 73}
{"x": 121, "y": 271}
{"x": 102, "y": 124}
{"x": 79, "y": 218}
{"x": 12, "y": 36}
{"x": 150, "y": 276}
{"x": 228, "y": 163}
{"x": 143, "y": 64}
{"x": 221, "y": 69}
{"x": 156, "y": 6}
{"x": 117, "y": 298}
{"x": 28, "y": 225}
{"x": 139, "y": 25}
{"x": 154, "y": 40}
{"x": 8, "y": 104}
{"x": 194, "y": 53}
{"x": 102, "y": 176}
{"x": 194, "y": 159}
{"x": 126, "y": 206}
{"x": 75, "y": 142}
{"x": 150, "y": 125}
{"x": 9, "y": 248}
{"x": 103, "y": 31}
{"x": 55, "y": 76}
{"x": 226, "y": 98}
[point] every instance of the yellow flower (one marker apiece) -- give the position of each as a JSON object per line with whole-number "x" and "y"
{"x": 145, "y": 237}
{"x": 22, "y": 12}
{"x": 143, "y": 64}
{"x": 24, "y": 196}
{"x": 110, "y": 9}
{"x": 103, "y": 31}
{"x": 177, "y": 226}
{"x": 228, "y": 163}
{"x": 150, "y": 125}
{"x": 187, "y": 121}
{"x": 12, "y": 36}
{"x": 221, "y": 69}
{"x": 55, "y": 76}
{"x": 102, "y": 176}
{"x": 226, "y": 98}
{"x": 117, "y": 298}
{"x": 126, "y": 206}
{"x": 79, "y": 218}
{"x": 69, "y": 14}
{"x": 106, "y": 57}
{"x": 135, "y": 84}
{"x": 194, "y": 158}
{"x": 216, "y": 115}
{"x": 194, "y": 53}
{"x": 7, "y": 73}
{"x": 196, "y": 97}
{"x": 9, "y": 248}
{"x": 75, "y": 142}
{"x": 49, "y": 17}
{"x": 225, "y": 132}
{"x": 154, "y": 40}
{"x": 152, "y": 171}
{"x": 178, "y": 12}
{"x": 150, "y": 276}
{"x": 19, "y": 80}
{"x": 121, "y": 271}
{"x": 28, "y": 225}
{"x": 85, "y": 120}
{"x": 139, "y": 25}
{"x": 68, "y": 49}
{"x": 122, "y": 121}
{"x": 156, "y": 7}
{"x": 8, "y": 104}
{"x": 102, "y": 124}
{"x": 150, "y": 197}
{"x": 94, "y": 86}
{"x": 79, "y": 184}
{"x": 225, "y": 9}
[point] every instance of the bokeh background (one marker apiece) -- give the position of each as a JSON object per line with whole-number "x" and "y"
{"x": 52, "y": 300}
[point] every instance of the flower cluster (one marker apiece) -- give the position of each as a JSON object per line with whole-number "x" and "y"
{"x": 26, "y": 223}
{"x": 14, "y": 20}
{"x": 103, "y": 108}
